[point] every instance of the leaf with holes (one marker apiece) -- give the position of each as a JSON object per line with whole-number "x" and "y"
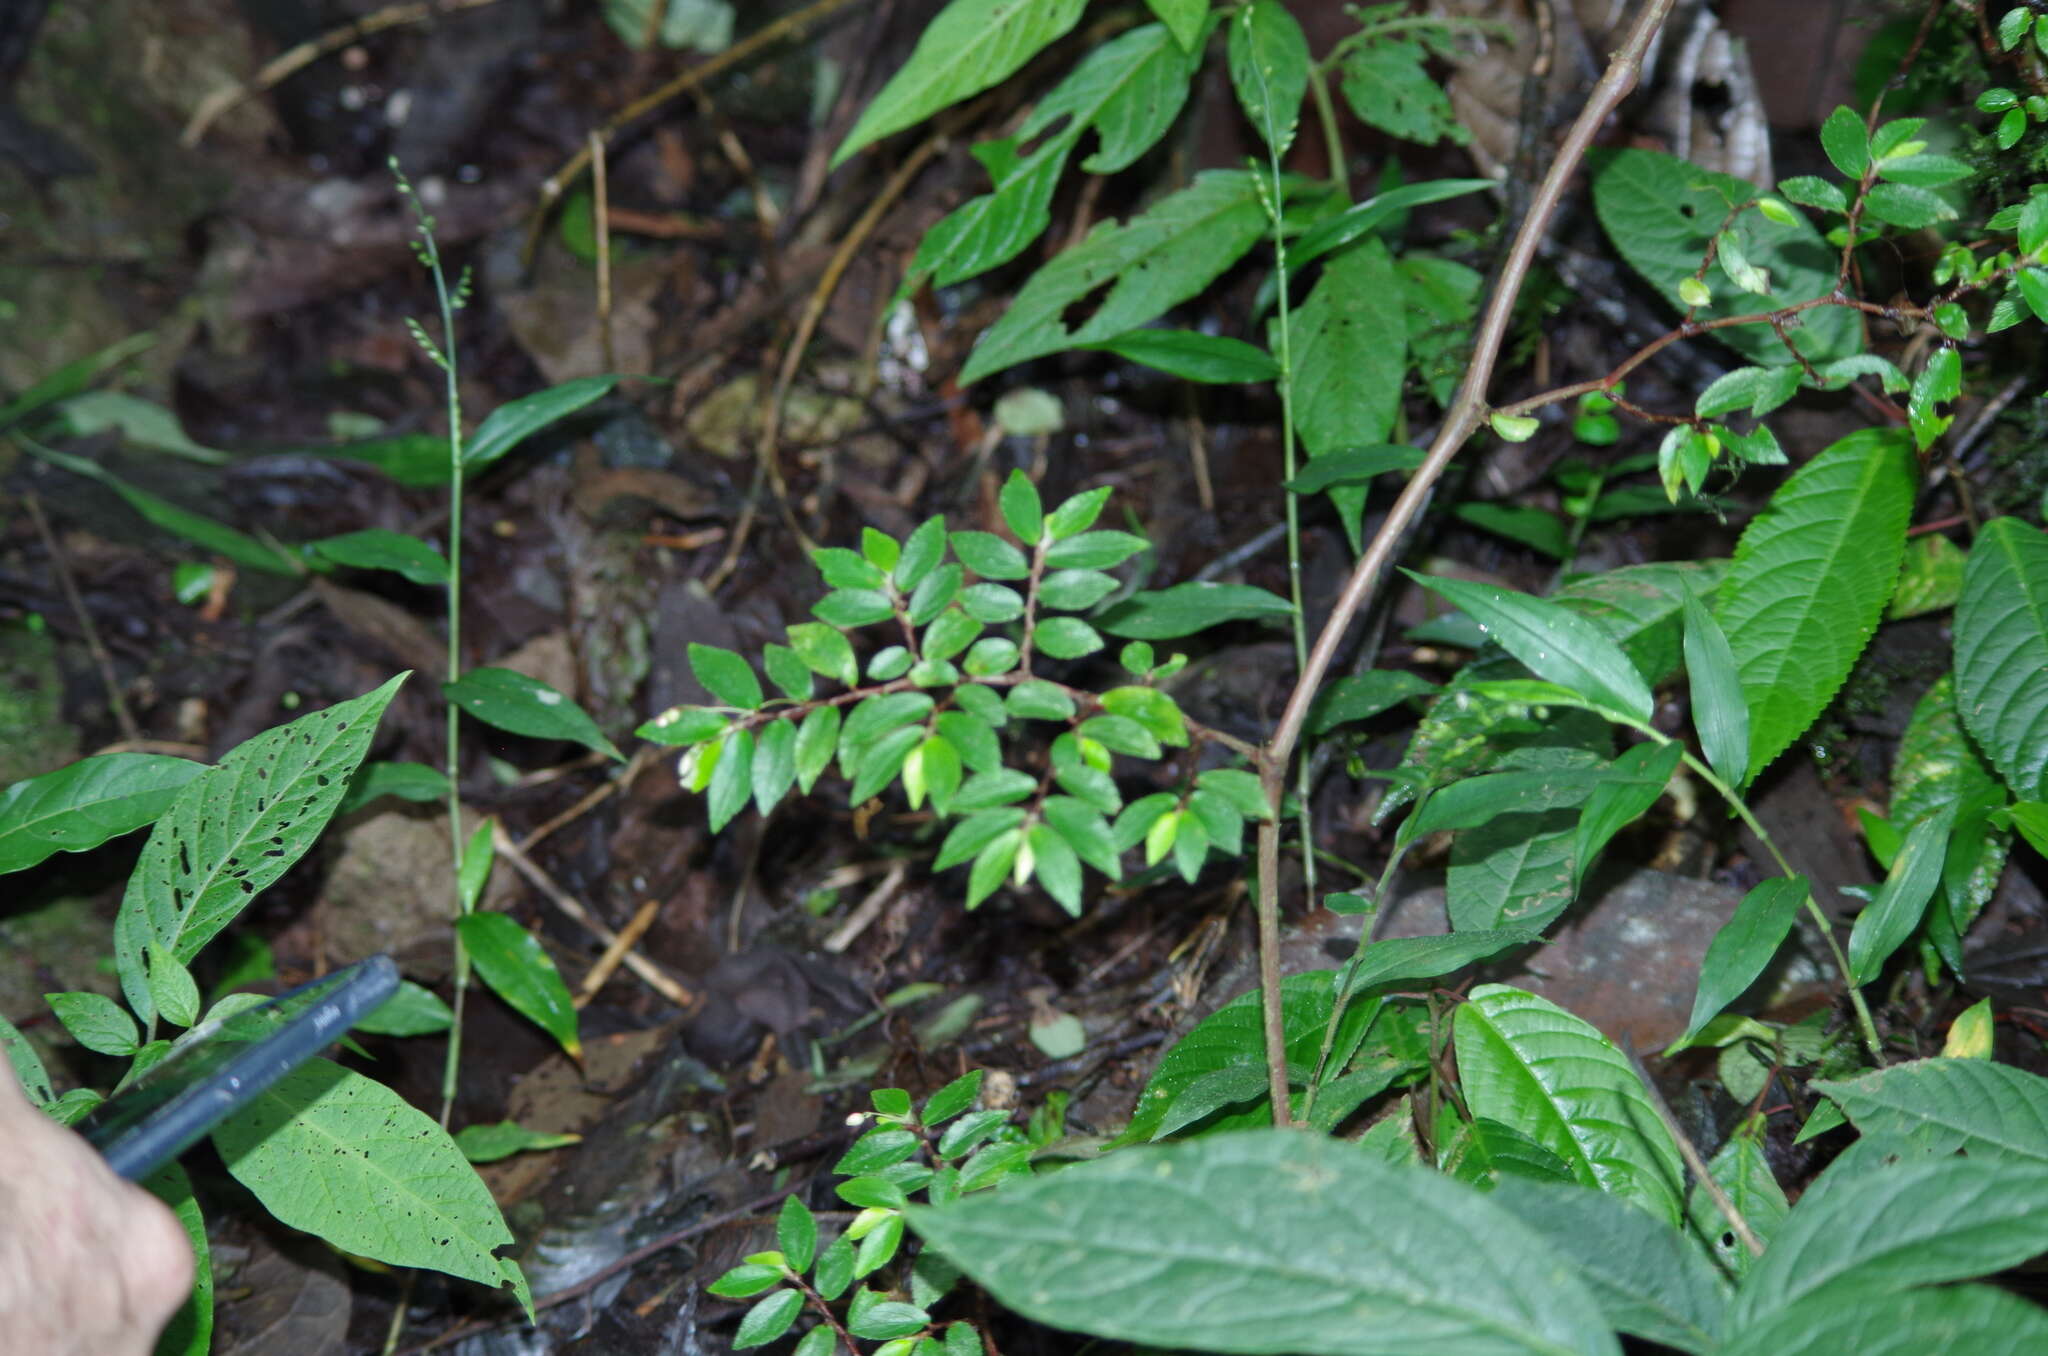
{"x": 1810, "y": 579}
{"x": 2002, "y": 652}
{"x": 1155, "y": 261}
{"x": 85, "y": 803}
{"x": 1528, "y": 1063}
{"x": 236, "y": 829}
{"x": 347, "y": 1159}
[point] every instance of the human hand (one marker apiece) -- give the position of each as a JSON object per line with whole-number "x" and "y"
{"x": 90, "y": 1265}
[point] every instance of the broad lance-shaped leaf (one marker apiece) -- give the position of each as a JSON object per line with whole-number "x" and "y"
{"x": 236, "y": 829}
{"x": 1810, "y": 579}
{"x": 1902, "y": 900}
{"x": 1919, "y": 1223}
{"x": 1155, "y": 261}
{"x": 1529, "y": 1064}
{"x": 517, "y": 420}
{"x": 1647, "y": 1277}
{"x": 1985, "y": 1109}
{"x": 526, "y": 706}
{"x": 1552, "y": 641}
{"x": 1269, "y": 1241}
{"x": 2002, "y": 652}
{"x": 1744, "y": 946}
{"x": 971, "y": 46}
{"x": 513, "y": 962}
{"x": 1350, "y": 354}
{"x": 85, "y": 803}
{"x": 1875, "y": 1319}
{"x": 347, "y": 1159}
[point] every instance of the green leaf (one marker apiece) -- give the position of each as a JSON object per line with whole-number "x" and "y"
{"x": 171, "y": 987}
{"x": 519, "y": 970}
{"x": 1758, "y": 389}
{"x": 1917, "y": 1223}
{"x": 787, "y": 671}
{"x": 1810, "y": 190}
{"x": 1987, "y": 1110}
{"x": 1362, "y": 696}
{"x": 411, "y": 1011}
{"x": 1517, "y": 869}
{"x": 73, "y": 377}
{"x": 922, "y": 550}
{"x": 1346, "y": 466}
{"x": 1625, "y": 793}
{"x": 774, "y": 763}
{"x": 973, "y": 738}
{"x": 474, "y": 870}
{"x": 1239, "y": 787}
{"x": 83, "y": 804}
{"x": 1352, "y": 1256}
{"x": 1661, "y": 212}
{"x": 1191, "y": 356}
{"x": 1744, "y": 945}
{"x": 1881, "y": 1320}
{"x": 1531, "y": 1065}
{"x": 1810, "y": 579}
{"x": 2001, "y": 646}
{"x": 490, "y": 1143}
{"x": 880, "y": 762}
{"x": 1269, "y": 70}
{"x": 990, "y": 556}
{"x": 1742, "y": 1170}
{"x": 726, "y": 676}
{"x": 345, "y": 1158}
{"x": 1066, "y": 637}
{"x": 682, "y": 726}
{"x": 234, "y": 830}
{"x": 1718, "y": 710}
{"x": 1901, "y": 901}
{"x": 1846, "y": 142}
{"x": 1907, "y": 207}
{"x": 1648, "y": 1280}
{"x": 96, "y": 1022}
{"x": 1937, "y": 768}
{"x": 732, "y": 779}
{"x": 1021, "y": 510}
{"x": 768, "y": 1320}
{"x": 1338, "y": 231}
{"x": 196, "y": 528}
{"x": 1038, "y": 700}
{"x": 1350, "y": 356}
{"x": 1402, "y": 960}
{"x": 1076, "y": 516}
{"x": 827, "y": 651}
{"x": 1640, "y": 608}
{"x": 947, "y": 636}
{"x": 1160, "y": 258}
{"x": 1473, "y": 801}
{"x": 1185, "y": 18}
{"x": 1074, "y": 590}
{"x": 1093, "y": 550}
{"x": 378, "y": 549}
{"x": 977, "y": 831}
{"x": 844, "y": 569}
{"x": 1387, "y": 84}
{"x": 971, "y": 46}
{"x": 526, "y": 706}
{"x": 415, "y": 782}
{"x": 992, "y": 864}
{"x": 517, "y": 420}
{"x": 1538, "y": 529}
{"x": 1555, "y": 643}
{"x": 853, "y": 607}
{"x": 1164, "y": 614}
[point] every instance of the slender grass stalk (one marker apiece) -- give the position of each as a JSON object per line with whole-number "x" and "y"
{"x": 443, "y": 355}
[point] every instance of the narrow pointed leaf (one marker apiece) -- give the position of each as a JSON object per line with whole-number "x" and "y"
{"x": 526, "y": 706}
{"x": 1744, "y": 946}
{"x": 1719, "y": 712}
{"x": 519, "y": 970}
{"x": 1901, "y": 901}
{"x": 1552, "y": 641}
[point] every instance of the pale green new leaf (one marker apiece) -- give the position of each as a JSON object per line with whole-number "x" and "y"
{"x": 234, "y": 830}
{"x": 1810, "y": 579}
{"x": 1292, "y": 1242}
{"x": 1986, "y": 1109}
{"x": 1528, "y": 1063}
{"x": 83, "y": 804}
{"x": 1157, "y": 260}
{"x": 2002, "y": 652}
{"x": 971, "y": 46}
{"x": 1920, "y": 1222}
{"x": 347, "y": 1159}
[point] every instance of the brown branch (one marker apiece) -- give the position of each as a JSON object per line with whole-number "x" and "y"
{"x": 1467, "y": 412}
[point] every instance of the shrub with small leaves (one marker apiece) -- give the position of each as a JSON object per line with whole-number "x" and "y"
{"x": 945, "y": 1150}
{"x": 967, "y": 620}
